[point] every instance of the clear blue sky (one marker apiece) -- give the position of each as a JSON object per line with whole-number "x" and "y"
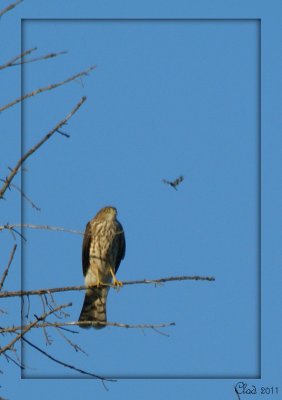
{"x": 167, "y": 98}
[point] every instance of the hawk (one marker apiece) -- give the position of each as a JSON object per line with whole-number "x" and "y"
{"x": 103, "y": 249}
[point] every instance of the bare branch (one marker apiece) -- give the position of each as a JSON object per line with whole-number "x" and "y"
{"x": 65, "y": 364}
{"x": 171, "y": 279}
{"x": 13, "y": 230}
{"x": 13, "y": 60}
{"x": 82, "y": 287}
{"x": 23, "y": 195}
{"x": 49, "y": 87}
{"x": 30, "y": 326}
{"x": 8, "y": 266}
{"x": 16, "y": 362}
{"x": 76, "y": 347}
{"x": 10, "y": 7}
{"x": 36, "y": 147}
{"x": 40, "y": 58}
{"x": 87, "y": 323}
{"x": 43, "y": 227}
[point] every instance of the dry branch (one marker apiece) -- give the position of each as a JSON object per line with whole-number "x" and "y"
{"x": 82, "y": 287}
{"x": 40, "y": 58}
{"x": 30, "y": 326}
{"x": 15, "y": 170}
{"x": 8, "y": 266}
{"x": 14, "y": 61}
{"x": 9, "y": 7}
{"x": 86, "y": 323}
{"x": 44, "y": 89}
{"x": 65, "y": 364}
{"x": 43, "y": 227}
{"x": 33, "y": 205}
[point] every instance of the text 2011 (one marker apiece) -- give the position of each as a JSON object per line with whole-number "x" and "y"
{"x": 242, "y": 388}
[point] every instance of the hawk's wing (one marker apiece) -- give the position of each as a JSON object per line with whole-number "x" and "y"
{"x": 86, "y": 248}
{"x": 121, "y": 246}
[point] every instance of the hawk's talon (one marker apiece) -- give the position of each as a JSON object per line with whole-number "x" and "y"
{"x": 116, "y": 283}
{"x": 98, "y": 283}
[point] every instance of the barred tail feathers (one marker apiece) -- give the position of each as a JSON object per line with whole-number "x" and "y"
{"x": 94, "y": 307}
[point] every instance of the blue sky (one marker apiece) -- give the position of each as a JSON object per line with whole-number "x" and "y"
{"x": 167, "y": 98}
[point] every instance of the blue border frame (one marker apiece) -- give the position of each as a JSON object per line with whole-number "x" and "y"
{"x": 259, "y": 167}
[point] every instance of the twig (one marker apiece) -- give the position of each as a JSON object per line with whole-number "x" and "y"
{"x": 40, "y": 58}
{"x": 47, "y": 338}
{"x": 13, "y": 60}
{"x": 64, "y": 133}
{"x": 74, "y": 345}
{"x": 8, "y": 266}
{"x": 18, "y": 364}
{"x": 12, "y": 230}
{"x": 44, "y": 227}
{"x": 65, "y": 364}
{"x": 10, "y": 7}
{"x": 36, "y": 147}
{"x": 82, "y": 287}
{"x": 23, "y": 195}
{"x": 31, "y": 325}
{"x": 44, "y": 89}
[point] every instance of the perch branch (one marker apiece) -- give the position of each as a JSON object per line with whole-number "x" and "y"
{"x": 82, "y": 287}
{"x": 87, "y": 323}
{"x": 49, "y": 87}
{"x": 36, "y": 147}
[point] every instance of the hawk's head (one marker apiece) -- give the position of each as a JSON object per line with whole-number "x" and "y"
{"x": 108, "y": 213}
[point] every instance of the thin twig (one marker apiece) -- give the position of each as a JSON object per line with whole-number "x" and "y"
{"x": 36, "y": 147}
{"x": 47, "y": 338}
{"x": 18, "y": 364}
{"x": 44, "y": 89}
{"x": 43, "y": 227}
{"x": 13, "y": 60}
{"x": 82, "y": 287}
{"x": 8, "y": 266}
{"x": 76, "y": 347}
{"x": 65, "y": 364}
{"x": 29, "y": 327}
{"x": 10, "y": 7}
{"x": 40, "y": 58}
{"x": 23, "y": 195}
{"x": 13, "y": 230}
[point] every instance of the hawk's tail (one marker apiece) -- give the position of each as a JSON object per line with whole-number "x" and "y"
{"x": 94, "y": 307}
